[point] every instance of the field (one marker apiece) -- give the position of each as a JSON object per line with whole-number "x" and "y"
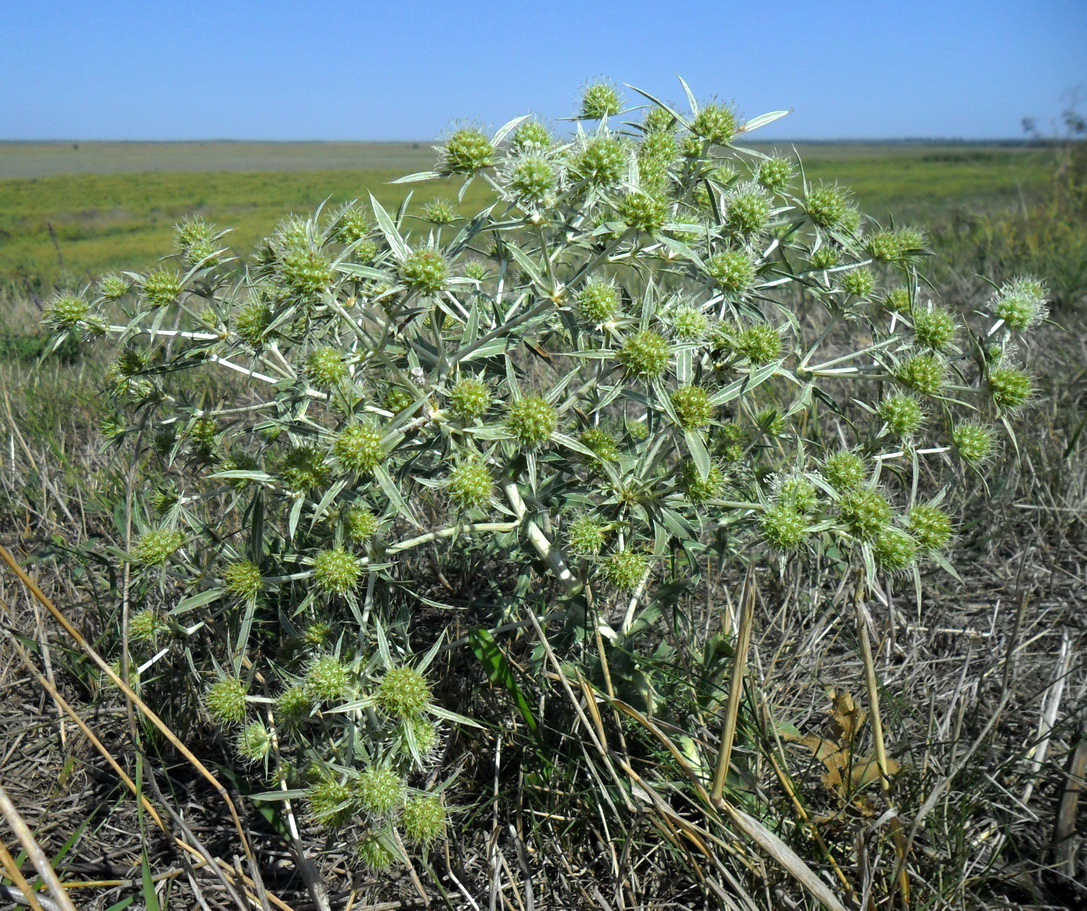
{"x": 68, "y": 213}
{"x": 923, "y": 738}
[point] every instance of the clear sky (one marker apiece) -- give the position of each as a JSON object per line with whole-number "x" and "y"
{"x": 329, "y": 69}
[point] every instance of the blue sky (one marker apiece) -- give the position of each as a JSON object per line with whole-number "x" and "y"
{"x": 243, "y": 69}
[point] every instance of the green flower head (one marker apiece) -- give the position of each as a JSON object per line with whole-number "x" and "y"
{"x": 470, "y": 485}
{"x": 894, "y": 550}
{"x": 336, "y": 571}
{"x": 923, "y": 373}
{"x": 423, "y": 819}
{"x": 599, "y": 100}
{"x": 531, "y": 420}
{"x": 934, "y": 328}
{"x": 328, "y": 679}
{"x": 358, "y": 448}
{"x": 644, "y": 355}
{"x": 1021, "y": 304}
{"x": 625, "y": 569}
{"x": 326, "y": 368}
{"x": 973, "y": 442}
{"x": 1010, "y": 387}
{"x": 733, "y": 270}
{"x": 596, "y": 303}
{"x": 242, "y": 578}
{"x": 930, "y": 527}
{"x": 380, "y": 791}
{"x": 403, "y": 692}
{"x": 692, "y": 407}
{"x": 161, "y": 287}
{"x": 845, "y": 471}
{"x": 467, "y": 151}
{"x": 469, "y": 399}
{"x": 865, "y": 512}
{"x": 643, "y": 211}
{"x": 586, "y": 536}
{"x": 599, "y": 162}
{"x": 715, "y": 123}
{"x": 901, "y": 413}
{"x": 826, "y": 206}
{"x": 155, "y": 546}
{"x": 225, "y": 701}
{"x": 783, "y": 527}
{"x": 424, "y": 271}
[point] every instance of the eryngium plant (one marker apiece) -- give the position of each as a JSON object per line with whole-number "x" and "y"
{"x": 654, "y": 346}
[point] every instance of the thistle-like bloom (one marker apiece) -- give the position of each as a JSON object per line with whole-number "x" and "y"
{"x": 644, "y": 355}
{"x": 360, "y": 524}
{"x": 599, "y": 162}
{"x": 733, "y": 270}
{"x": 332, "y": 803}
{"x": 865, "y": 512}
{"x": 901, "y": 413}
{"x": 596, "y": 303}
{"x": 306, "y": 272}
{"x": 935, "y": 328}
{"x": 155, "y": 546}
{"x": 423, "y": 819}
{"x": 845, "y": 471}
{"x": 403, "y": 692}
{"x": 531, "y": 136}
{"x": 358, "y": 448}
{"x": 692, "y": 407}
{"x": 715, "y": 123}
{"x": 531, "y": 420}
{"x": 328, "y": 679}
{"x": 894, "y": 550}
{"x": 469, "y": 399}
{"x": 326, "y": 368}
{"x": 797, "y": 492}
{"x": 335, "y": 571}
{"x": 858, "y": 282}
{"x": 625, "y": 569}
{"x": 973, "y": 442}
{"x": 374, "y": 854}
{"x": 826, "y": 206}
{"x": 783, "y": 527}
{"x": 598, "y": 101}
{"x": 254, "y": 742}
{"x": 930, "y": 527}
{"x": 66, "y": 311}
{"x": 747, "y": 209}
{"x": 759, "y": 343}
{"x": 161, "y": 287}
{"x": 466, "y": 152}
{"x": 242, "y": 578}
{"x": 225, "y": 701}
{"x": 1021, "y": 304}
{"x": 424, "y": 271}
{"x": 689, "y": 324}
{"x": 533, "y": 179}
{"x": 643, "y": 211}
{"x": 923, "y": 373}
{"x": 601, "y": 442}
{"x": 698, "y": 489}
{"x": 775, "y": 173}
{"x": 470, "y": 485}
{"x": 586, "y": 536}
{"x": 1010, "y": 387}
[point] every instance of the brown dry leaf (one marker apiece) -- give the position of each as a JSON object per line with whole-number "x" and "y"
{"x": 845, "y": 776}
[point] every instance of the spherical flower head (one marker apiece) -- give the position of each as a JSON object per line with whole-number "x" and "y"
{"x": 715, "y": 123}
{"x": 658, "y": 120}
{"x": 858, "y": 282}
{"x": 155, "y": 546}
{"x": 729, "y": 442}
{"x": 643, "y": 211}
{"x": 599, "y": 100}
{"x": 335, "y": 571}
{"x": 826, "y": 206}
{"x": 317, "y": 634}
{"x": 1010, "y": 387}
{"x": 625, "y": 569}
{"x": 352, "y": 224}
{"x": 469, "y": 399}
{"x": 533, "y": 180}
{"x": 328, "y": 679}
{"x": 644, "y": 355}
{"x": 254, "y": 742}
{"x": 242, "y": 578}
{"x": 930, "y": 527}
{"x": 424, "y": 271}
{"x": 360, "y": 524}
{"x": 973, "y": 442}
{"x": 747, "y": 210}
{"x": 225, "y": 701}
{"x": 657, "y": 152}
{"x": 602, "y": 444}
{"x": 380, "y": 791}
{"x": 531, "y": 136}
{"x": 826, "y": 257}
{"x": 596, "y": 303}
{"x": 689, "y": 324}
{"x": 147, "y": 626}
{"x": 733, "y": 270}
{"x": 305, "y": 271}
{"x": 397, "y": 398}
{"x": 1021, "y": 304}
{"x": 759, "y": 343}
{"x": 845, "y": 471}
{"x": 423, "y": 819}
{"x": 358, "y": 448}
{"x": 798, "y": 492}
{"x": 470, "y": 485}
{"x": 923, "y": 373}
{"x": 66, "y": 311}
{"x": 783, "y": 527}
{"x": 599, "y": 162}
{"x": 531, "y": 420}
{"x": 374, "y": 855}
{"x": 901, "y": 413}
{"x": 897, "y": 300}
{"x": 325, "y": 367}
{"x": 885, "y": 246}
{"x": 403, "y": 692}
{"x": 439, "y": 212}
{"x": 161, "y": 287}
{"x": 332, "y": 803}
{"x": 294, "y": 704}
{"x": 304, "y": 468}
{"x": 692, "y": 407}
{"x": 586, "y": 536}
{"x": 422, "y": 731}
{"x": 775, "y": 173}
{"x": 894, "y": 550}
{"x": 636, "y": 430}
{"x": 192, "y": 230}
{"x": 865, "y": 512}
{"x": 771, "y": 422}
{"x": 467, "y": 152}
{"x": 203, "y": 253}
{"x": 252, "y": 321}
{"x": 934, "y": 328}
{"x": 477, "y": 270}
{"x": 112, "y": 287}
{"x": 698, "y": 489}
